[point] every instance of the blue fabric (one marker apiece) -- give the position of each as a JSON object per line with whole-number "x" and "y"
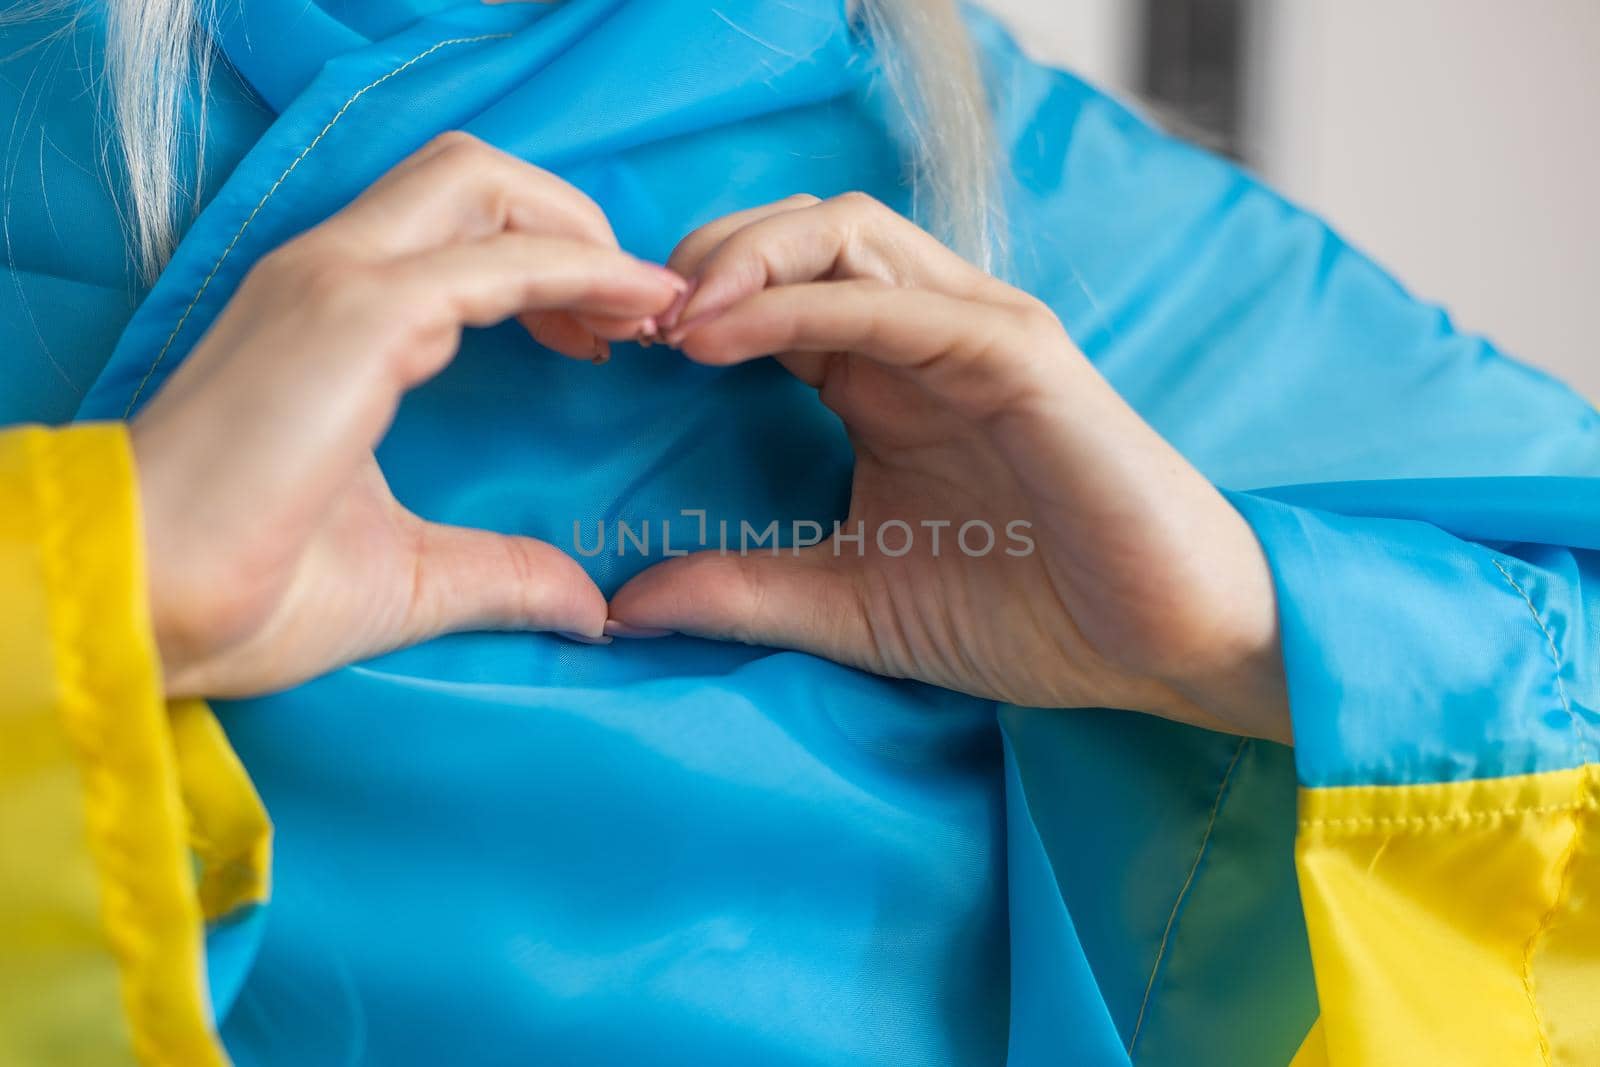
{"x": 497, "y": 848}
{"x": 1437, "y": 659}
{"x": 68, "y": 288}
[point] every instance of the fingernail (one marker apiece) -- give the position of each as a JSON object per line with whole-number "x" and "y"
{"x": 669, "y": 318}
{"x": 583, "y": 639}
{"x": 637, "y": 633}
{"x": 649, "y": 334}
{"x": 676, "y": 335}
{"x": 602, "y": 351}
{"x": 705, "y": 302}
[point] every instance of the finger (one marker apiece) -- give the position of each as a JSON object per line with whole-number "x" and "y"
{"x": 382, "y": 330}
{"x": 460, "y": 188}
{"x": 979, "y": 357}
{"x": 851, "y": 236}
{"x": 807, "y": 603}
{"x": 476, "y": 580}
{"x": 620, "y": 329}
{"x": 586, "y": 337}
{"x": 489, "y": 281}
{"x": 432, "y": 147}
{"x": 562, "y": 332}
{"x": 693, "y": 249}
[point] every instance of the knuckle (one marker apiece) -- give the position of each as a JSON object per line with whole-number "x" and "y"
{"x": 860, "y": 210}
{"x": 294, "y": 270}
{"x": 862, "y": 223}
{"x": 1033, "y": 318}
{"x": 454, "y": 141}
{"x": 353, "y": 296}
{"x": 462, "y": 158}
{"x": 856, "y": 200}
{"x": 399, "y": 322}
{"x": 593, "y": 216}
{"x": 1017, "y": 360}
{"x": 320, "y": 286}
{"x": 282, "y": 266}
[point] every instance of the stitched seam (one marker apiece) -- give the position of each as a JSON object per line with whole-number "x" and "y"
{"x": 1183, "y": 892}
{"x": 205, "y": 284}
{"x": 1445, "y": 818}
{"x": 1535, "y": 939}
{"x": 1579, "y": 734}
{"x": 1569, "y": 854}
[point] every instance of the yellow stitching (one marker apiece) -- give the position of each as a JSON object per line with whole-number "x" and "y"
{"x": 1374, "y": 822}
{"x": 1166, "y": 934}
{"x": 1564, "y": 877}
{"x": 1586, "y": 801}
{"x": 173, "y": 336}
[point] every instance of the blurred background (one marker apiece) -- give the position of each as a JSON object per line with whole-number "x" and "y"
{"x": 1456, "y": 141}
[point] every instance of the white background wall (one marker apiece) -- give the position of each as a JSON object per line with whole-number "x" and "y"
{"x": 1096, "y": 38}
{"x": 1457, "y": 141}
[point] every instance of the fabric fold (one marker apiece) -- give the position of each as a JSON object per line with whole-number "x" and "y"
{"x": 1444, "y": 713}
{"x": 106, "y": 873}
{"x": 1441, "y": 658}
{"x": 503, "y": 842}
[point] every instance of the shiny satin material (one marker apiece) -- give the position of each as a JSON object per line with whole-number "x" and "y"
{"x": 1456, "y": 922}
{"x": 59, "y": 969}
{"x": 1479, "y": 704}
{"x": 501, "y": 847}
{"x": 101, "y": 946}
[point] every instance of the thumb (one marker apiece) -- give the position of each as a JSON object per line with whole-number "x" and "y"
{"x": 470, "y": 579}
{"x": 806, "y": 602}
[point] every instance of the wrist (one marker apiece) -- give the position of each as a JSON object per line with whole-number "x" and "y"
{"x": 1246, "y": 695}
{"x": 1236, "y": 673}
{"x": 173, "y": 625}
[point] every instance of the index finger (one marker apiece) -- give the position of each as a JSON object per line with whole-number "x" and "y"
{"x": 849, "y": 237}
{"x": 977, "y": 357}
{"x": 458, "y": 188}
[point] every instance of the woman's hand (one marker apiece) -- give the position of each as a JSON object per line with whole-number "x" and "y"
{"x": 967, "y": 402}
{"x": 275, "y": 548}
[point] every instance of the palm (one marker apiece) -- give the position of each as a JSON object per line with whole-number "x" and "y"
{"x": 276, "y": 549}
{"x": 967, "y": 404}
{"x": 366, "y": 576}
{"x": 981, "y": 610}
{"x": 337, "y": 591}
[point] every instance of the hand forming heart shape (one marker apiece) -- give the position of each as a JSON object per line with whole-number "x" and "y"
{"x": 966, "y": 403}
{"x": 276, "y": 550}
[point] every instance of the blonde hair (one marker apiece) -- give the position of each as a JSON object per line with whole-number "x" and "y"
{"x": 930, "y": 67}
{"x": 160, "y": 51}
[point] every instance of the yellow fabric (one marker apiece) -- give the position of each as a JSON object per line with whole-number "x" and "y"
{"x": 101, "y": 957}
{"x": 1313, "y": 1050}
{"x": 1455, "y": 923}
{"x": 229, "y": 833}
{"x": 60, "y": 995}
